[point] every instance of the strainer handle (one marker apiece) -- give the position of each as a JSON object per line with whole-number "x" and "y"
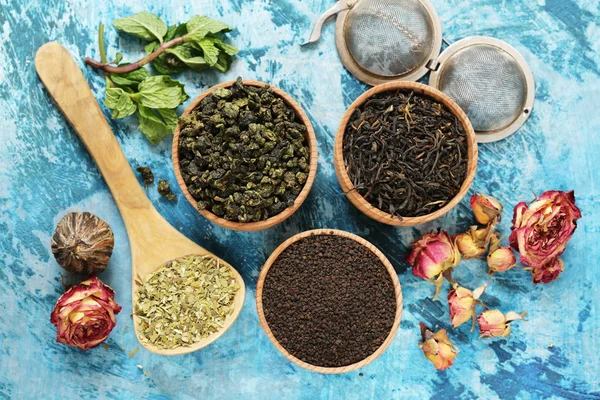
{"x": 341, "y": 5}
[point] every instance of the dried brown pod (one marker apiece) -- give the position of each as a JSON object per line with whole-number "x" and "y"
{"x": 82, "y": 243}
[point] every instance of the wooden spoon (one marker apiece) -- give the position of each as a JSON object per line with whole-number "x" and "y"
{"x": 153, "y": 241}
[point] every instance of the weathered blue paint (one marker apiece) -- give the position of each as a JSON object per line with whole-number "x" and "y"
{"x": 45, "y": 172}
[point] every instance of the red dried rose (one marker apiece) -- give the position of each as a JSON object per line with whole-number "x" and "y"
{"x": 540, "y": 231}
{"x": 85, "y": 314}
{"x": 548, "y": 272}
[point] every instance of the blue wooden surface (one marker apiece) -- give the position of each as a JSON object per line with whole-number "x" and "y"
{"x": 45, "y": 172}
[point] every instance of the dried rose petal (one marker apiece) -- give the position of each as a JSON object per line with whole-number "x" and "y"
{"x": 432, "y": 255}
{"x": 85, "y": 314}
{"x": 499, "y": 259}
{"x": 437, "y": 347}
{"x": 493, "y": 323}
{"x": 474, "y": 242}
{"x": 540, "y": 231}
{"x": 486, "y": 208}
{"x": 462, "y": 302}
{"x": 548, "y": 272}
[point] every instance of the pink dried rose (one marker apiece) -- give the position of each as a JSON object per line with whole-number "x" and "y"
{"x": 432, "y": 256}
{"x": 85, "y": 314}
{"x": 541, "y": 230}
{"x": 486, "y": 208}
{"x": 548, "y": 272}
{"x": 493, "y": 323}
{"x": 462, "y": 302}
{"x": 499, "y": 259}
{"x": 474, "y": 242}
{"x": 437, "y": 347}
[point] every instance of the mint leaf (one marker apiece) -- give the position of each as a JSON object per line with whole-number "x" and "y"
{"x": 165, "y": 64}
{"x": 186, "y": 55}
{"x": 224, "y": 62}
{"x": 210, "y": 52}
{"x": 118, "y": 58}
{"x": 160, "y": 92}
{"x": 120, "y": 102}
{"x": 200, "y": 26}
{"x": 175, "y": 31}
{"x": 143, "y": 25}
{"x": 227, "y": 48}
{"x": 132, "y": 78}
{"x": 156, "y": 125}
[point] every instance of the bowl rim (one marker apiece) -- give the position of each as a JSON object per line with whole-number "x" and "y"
{"x": 388, "y": 266}
{"x": 313, "y": 162}
{"x": 358, "y": 200}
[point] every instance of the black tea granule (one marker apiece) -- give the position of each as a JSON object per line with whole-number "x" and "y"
{"x": 329, "y": 300}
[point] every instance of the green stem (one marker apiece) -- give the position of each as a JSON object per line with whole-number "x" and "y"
{"x": 103, "y": 58}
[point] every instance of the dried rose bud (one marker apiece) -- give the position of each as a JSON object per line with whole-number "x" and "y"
{"x": 462, "y": 302}
{"x": 540, "y": 231}
{"x": 499, "y": 259}
{"x": 486, "y": 208}
{"x": 492, "y": 323}
{"x": 437, "y": 347}
{"x": 432, "y": 255}
{"x": 548, "y": 272}
{"x": 474, "y": 242}
{"x": 85, "y": 314}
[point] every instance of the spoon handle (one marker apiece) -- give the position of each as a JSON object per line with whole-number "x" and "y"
{"x": 66, "y": 84}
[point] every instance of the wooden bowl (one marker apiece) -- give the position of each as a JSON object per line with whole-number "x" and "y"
{"x": 358, "y": 200}
{"x": 276, "y": 219}
{"x": 265, "y": 325}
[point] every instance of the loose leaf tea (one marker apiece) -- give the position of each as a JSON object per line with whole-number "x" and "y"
{"x": 147, "y": 175}
{"x": 164, "y": 188}
{"x": 185, "y": 301}
{"x": 329, "y": 301}
{"x": 243, "y": 153}
{"x": 405, "y": 153}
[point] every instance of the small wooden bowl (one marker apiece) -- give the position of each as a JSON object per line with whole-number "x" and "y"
{"x": 276, "y": 219}
{"x": 358, "y": 200}
{"x": 265, "y": 325}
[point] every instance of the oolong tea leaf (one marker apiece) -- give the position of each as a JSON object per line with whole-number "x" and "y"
{"x": 143, "y": 25}
{"x": 243, "y": 153}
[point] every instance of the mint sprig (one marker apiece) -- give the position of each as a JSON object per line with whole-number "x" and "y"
{"x": 197, "y": 44}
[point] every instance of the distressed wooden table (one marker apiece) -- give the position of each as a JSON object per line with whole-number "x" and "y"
{"x": 45, "y": 172}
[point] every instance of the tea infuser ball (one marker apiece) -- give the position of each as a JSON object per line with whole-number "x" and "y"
{"x": 390, "y": 40}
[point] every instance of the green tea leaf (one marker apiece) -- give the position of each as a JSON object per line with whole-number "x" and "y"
{"x": 156, "y": 125}
{"x": 160, "y": 92}
{"x": 120, "y": 102}
{"x": 209, "y": 51}
{"x": 185, "y": 53}
{"x": 132, "y": 78}
{"x": 143, "y": 25}
{"x": 200, "y": 26}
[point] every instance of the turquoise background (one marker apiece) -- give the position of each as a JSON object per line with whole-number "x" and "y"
{"x": 45, "y": 172}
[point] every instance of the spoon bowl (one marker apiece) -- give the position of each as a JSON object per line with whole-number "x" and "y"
{"x": 153, "y": 241}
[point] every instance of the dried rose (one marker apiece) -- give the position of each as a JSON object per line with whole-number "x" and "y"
{"x": 548, "y": 272}
{"x": 474, "y": 242}
{"x": 437, "y": 347}
{"x": 486, "y": 208}
{"x": 492, "y": 323}
{"x": 540, "y": 231}
{"x": 85, "y": 314}
{"x": 462, "y": 302}
{"x": 499, "y": 259}
{"x": 431, "y": 256}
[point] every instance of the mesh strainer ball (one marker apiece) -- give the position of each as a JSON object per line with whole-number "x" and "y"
{"x": 490, "y": 81}
{"x": 389, "y": 38}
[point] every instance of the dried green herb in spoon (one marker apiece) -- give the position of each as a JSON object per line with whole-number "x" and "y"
{"x": 185, "y": 302}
